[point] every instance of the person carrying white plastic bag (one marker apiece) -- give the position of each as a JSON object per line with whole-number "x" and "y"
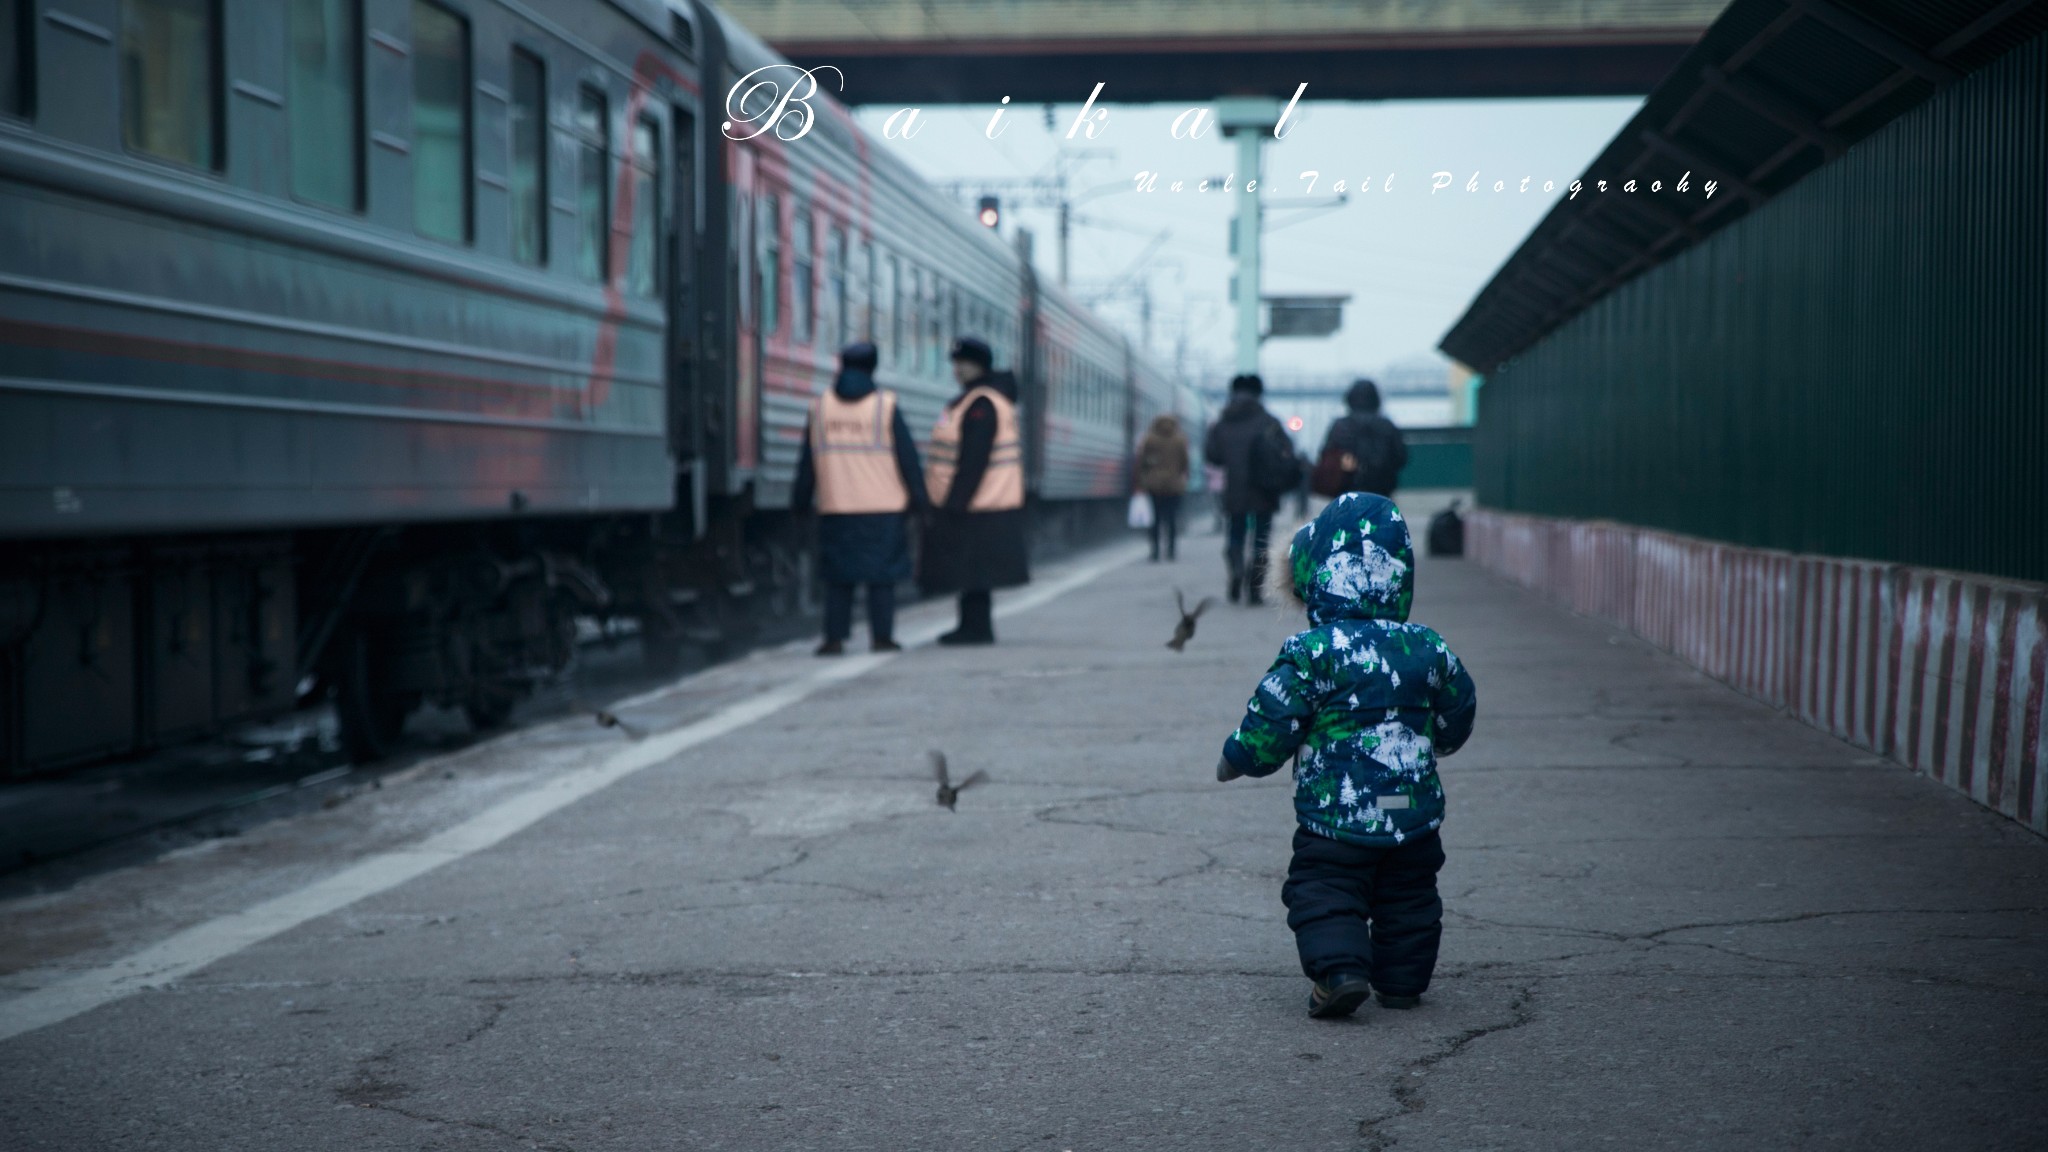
{"x": 1162, "y": 480}
{"x": 1140, "y": 515}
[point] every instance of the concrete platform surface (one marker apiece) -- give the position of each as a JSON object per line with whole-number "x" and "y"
{"x": 1677, "y": 919}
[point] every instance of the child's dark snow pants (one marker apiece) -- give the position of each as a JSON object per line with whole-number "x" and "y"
{"x": 1355, "y": 908}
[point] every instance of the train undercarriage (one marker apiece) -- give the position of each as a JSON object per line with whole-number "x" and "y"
{"x": 113, "y": 648}
{"x": 118, "y": 647}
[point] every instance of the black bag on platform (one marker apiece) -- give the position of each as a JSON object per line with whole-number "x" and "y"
{"x": 1447, "y": 532}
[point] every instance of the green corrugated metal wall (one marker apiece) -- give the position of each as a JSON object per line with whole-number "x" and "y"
{"x": 1859, "y": 368}
{"x": 1437, "y": 458}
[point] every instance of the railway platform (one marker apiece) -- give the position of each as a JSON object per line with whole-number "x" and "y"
{"x": 1676, "y": 918}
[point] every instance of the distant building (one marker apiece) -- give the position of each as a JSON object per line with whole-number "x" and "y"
{"x": 1417, "y": 393}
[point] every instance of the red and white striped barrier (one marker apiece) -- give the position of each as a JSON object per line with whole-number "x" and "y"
{"x": 1943, "y": 671}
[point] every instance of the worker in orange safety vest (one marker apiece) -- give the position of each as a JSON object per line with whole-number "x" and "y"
{"x": 859, "y": 468}
{"x": 977, "y": 539}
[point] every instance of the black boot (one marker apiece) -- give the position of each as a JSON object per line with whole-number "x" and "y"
{"x": 1338, "y": 995}
{"x": 977, "y": 621}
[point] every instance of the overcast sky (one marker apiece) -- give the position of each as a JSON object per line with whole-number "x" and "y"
{"x": 1411, "y": 259}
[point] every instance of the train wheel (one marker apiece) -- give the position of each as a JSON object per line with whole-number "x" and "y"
{"x": 488, "y": 715}
{"x": 371, "y": 716}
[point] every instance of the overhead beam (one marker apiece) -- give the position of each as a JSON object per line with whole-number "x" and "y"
{"x": 1752, "y": 95}
{"x": 947, "y": 73}
{"x": 1876, "y": 39}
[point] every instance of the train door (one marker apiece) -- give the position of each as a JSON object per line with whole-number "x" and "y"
{"x": 743, "y": 317}
{"x": 1129, "y": 396}
{"x": 688, "y": 379}
{"x": 1030, "y": 368}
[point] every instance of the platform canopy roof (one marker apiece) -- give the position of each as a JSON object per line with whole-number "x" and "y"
{"x": 1034, "y": 51}
{"x": 1774, "y": 90}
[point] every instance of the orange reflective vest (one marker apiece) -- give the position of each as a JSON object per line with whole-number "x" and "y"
{"x": 1002, "y": 485}
{"x": 854, "y": 455}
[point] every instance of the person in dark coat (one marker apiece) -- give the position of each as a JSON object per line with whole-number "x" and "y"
{"x": 1243, "y": 435}
{"x": 1369, "y": 440}
{"x": 976, "y": 479}
{"x": 859, "y": 467}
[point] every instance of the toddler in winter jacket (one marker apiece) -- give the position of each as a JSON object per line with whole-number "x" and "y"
{"x": 1365, "y": 702}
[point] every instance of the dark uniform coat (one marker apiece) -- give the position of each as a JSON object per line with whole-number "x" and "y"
{"x": 975, "y": 551}
{"x": 866, "y": 547}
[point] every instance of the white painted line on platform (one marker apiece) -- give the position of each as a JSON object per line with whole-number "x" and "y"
{"x": 216, "y": 939}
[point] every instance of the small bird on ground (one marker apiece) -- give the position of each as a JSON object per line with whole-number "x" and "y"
{"x": 948, "y": 792}
{"x": 607, "y": 719}
{"x": 1185, "y": 630}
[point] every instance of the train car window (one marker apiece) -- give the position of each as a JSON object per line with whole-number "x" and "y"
{"x": 803, "y": 274}
{"x": 643, "y": 274}
{"x": 592, "y": 129}
{"x": 864, "y": 276}
{"x": 170, "y": 80}
{"x": 768, "y": 226}
{"x": 908, "y": 336}
{"x": 892, "y": 310}
{"x": 928, "y": 316}
{"x": 920, "y": 321}
{"x": 835, "y": 285}
{"x": 899, "y": 308}
{"x": 928, "y": 352}
{"x": 440, "y": 124}
{"x": 935, "y": 341}
{"x": 325, "y": 98}
{"x": 528, "y": 126}
{"x": 17, "y": 57}
{"x": 911, "y": 317}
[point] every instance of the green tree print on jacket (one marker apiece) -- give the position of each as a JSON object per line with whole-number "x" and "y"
{"x": 1367, "y": 699}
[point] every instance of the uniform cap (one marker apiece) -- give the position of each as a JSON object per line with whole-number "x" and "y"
{"x": 972, "y": 349}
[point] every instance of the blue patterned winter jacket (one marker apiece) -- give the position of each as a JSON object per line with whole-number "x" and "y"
{"x": 1368, "y": 699}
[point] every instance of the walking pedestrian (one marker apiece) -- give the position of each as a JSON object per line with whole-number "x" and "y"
{"x": 1364, "y": 451}
{"x": 859, "y": 467}
{"x": 1364, "y": 701}
{"x": 976, "y": 479}
{"x": 1163, "y": 475}
{"x": 1258, "y": 464}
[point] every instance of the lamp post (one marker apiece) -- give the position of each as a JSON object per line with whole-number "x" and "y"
{"x": 1248, "y": 119}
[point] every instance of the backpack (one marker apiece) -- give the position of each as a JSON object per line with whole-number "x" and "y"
{"x": 1379, "y": 456}
{"x": 1274, "y": 469}
{"x": 1336, "y": 467}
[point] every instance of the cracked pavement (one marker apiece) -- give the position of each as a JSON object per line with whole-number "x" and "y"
{"x": 1675, "y": 919}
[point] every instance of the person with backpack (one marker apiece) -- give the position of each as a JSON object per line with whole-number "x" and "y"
{"x": 1258, "y": 462}
{"x": 1364, "y": 451}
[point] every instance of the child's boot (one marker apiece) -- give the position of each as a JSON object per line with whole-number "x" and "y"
{"x": 1337, "y": 995}
{"x": 1387, "y": 1001}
